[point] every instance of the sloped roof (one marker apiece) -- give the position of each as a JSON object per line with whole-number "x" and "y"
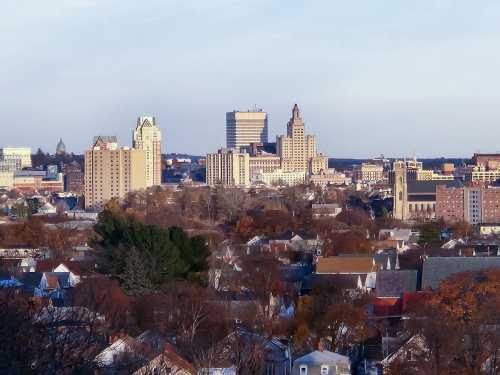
{"x": 395, "y": 283}
{"x": 324, "y": 357}
{"x": 345, "y": 264}
{"x": 436, "y": 269}
{"x": 340, "y": 281}
{"x": 62, "y": 278}
{"x": 52, "y": 282}
{"x": 31, "y": 279}
{"x": 50, "y": 265}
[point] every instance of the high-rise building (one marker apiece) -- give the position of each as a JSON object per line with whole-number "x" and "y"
{"x": 296, "y": 149}
{"x": 112, "y": 172}
{"x": 244, "y": 128}
{"x": 19, "y": 155}
{"x": 147, "y": 137}
{"x": 228, "y": 167}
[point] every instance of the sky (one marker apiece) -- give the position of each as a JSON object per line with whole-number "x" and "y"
{"x": 400, "y": 78}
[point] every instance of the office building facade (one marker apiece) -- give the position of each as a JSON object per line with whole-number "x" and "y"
{"x": 244, "y": 128}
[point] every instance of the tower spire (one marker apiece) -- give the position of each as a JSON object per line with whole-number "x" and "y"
{"x": 295, "y": 111}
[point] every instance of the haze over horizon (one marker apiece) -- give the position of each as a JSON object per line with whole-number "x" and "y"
{"x": 393, "y": 78}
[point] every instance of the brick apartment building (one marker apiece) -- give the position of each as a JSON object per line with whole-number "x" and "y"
{"x": 475, "y": 205}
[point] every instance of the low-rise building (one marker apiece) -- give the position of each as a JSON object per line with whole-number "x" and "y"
{"x": 329, "y": 177}
{"x": 41, "y": 181}
{"x": 282, "y": 177}
{"x": 367, "y": 173}
{"x": 321, "y": 210}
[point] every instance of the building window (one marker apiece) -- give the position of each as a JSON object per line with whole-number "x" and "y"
{"x": 303, "y": 370}
{"x": 324, "y": 370}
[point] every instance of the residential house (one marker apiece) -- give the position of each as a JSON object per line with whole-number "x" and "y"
{"x": 322, "y": 362}
{"x": 53, "y": 285}
{"x": 413, "y": 351}
{"x": 400, "y": 238}
{"x": 129, "y": 353}
{"x": 351, "y": 283}
{"x": 254, "y": 352}
{"x": 70, "y": 267}
{"x": 167, "y": 363}
{"x": 361, "y": 268}
{"x": 300, "y": 242}
{"x": 393, "y": 284}
{"x": 436, "y": 269}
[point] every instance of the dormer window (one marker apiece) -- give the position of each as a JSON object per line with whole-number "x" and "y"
{"x": 324, "y": 370}
{"x": 303, "y": 370}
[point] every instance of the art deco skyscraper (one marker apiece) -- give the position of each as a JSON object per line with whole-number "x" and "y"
{"x": 296, "y": 149}
{"x": 147, "y": 137}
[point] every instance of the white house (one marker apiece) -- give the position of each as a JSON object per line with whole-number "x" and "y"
{"x": 322, "y": 362}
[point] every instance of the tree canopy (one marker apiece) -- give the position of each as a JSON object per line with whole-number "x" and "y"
{"x": 144, "y": 257}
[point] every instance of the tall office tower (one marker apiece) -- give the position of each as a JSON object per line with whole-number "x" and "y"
{"x": 147, "y": 137}
{"x": 296, "y": 148}
{"x": 243, "y": 128}
{"x": 112, "y": 172}
{"x": 18, "y": 156}
{"x": 228, "y": 167}
{"x": 399, "y": 190}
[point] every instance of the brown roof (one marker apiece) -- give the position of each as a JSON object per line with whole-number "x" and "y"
{"x": 345, "y": 264}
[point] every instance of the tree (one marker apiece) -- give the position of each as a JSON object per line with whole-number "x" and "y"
{"x": 430, "y": 234}
{"x": 331, "y": 314}
{"x": 459, "y": 322}
{"x": 135, "y": 278}
{"x": 165, "y": 254}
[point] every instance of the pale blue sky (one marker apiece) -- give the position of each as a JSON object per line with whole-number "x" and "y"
{"x": 413, "y": 77}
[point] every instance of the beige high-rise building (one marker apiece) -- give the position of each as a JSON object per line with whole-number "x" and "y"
{"x": 112, "y": 172}
{"x": 243, "y": 128}
{"x": 295, "y": 148}
{"x": 147, "y": 137}
{"x": 228, "y": 167}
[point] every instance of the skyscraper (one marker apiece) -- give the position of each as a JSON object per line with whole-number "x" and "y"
{"x": 296, "y": 149}
{"x": 243, "y": 128}
{"x": 112, "y": 172}
{"x": 147, "y": 137}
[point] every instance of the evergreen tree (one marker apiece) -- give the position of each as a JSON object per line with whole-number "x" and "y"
{"x": 135, "y": 279}
{"x": 165, "y": 254}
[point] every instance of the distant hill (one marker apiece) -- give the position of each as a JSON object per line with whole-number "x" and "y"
{"x": 429, "y": 163}
{"x": 193, "y": 158}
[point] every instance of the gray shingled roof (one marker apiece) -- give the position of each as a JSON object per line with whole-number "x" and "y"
{"x": 436, "y": 269}
{"x": 395, "y": 283}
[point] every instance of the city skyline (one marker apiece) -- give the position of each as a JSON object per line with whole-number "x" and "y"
{"x": 76, "y": 68}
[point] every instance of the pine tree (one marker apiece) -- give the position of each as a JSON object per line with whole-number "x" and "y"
{"x": 135, "y": 279}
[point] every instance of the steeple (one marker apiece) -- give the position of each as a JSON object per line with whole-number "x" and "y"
{"x": 295, "y": 112}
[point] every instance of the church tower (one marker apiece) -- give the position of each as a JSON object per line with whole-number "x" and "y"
{"x": 400, "y": 191}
